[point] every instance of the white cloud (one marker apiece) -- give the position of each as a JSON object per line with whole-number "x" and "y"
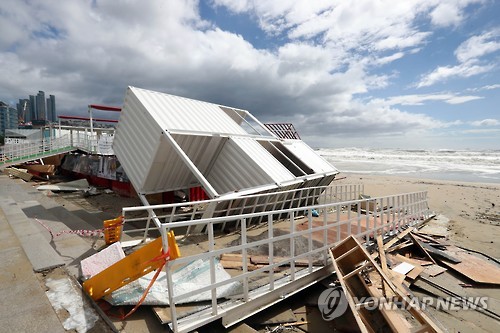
{"x": 389, "y": 59}
{"x": 486, "y": 122}
{"x": 487, "y": 87}
{"x": 468, "y": 55}
{"x": 420, "y": 99}
{"x": 483, "y": 131}
{"x": 443, "y": 73}
{"x": 446, "y": 14}
{"x": 478, "y": 46}
{"x": 462, "y": 99}
{"x": 491, "y": 87}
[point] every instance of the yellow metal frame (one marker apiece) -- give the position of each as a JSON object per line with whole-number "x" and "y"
{"x": 148, "y": 258}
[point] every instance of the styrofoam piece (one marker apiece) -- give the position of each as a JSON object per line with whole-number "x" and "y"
{"x": 100, "y": 261}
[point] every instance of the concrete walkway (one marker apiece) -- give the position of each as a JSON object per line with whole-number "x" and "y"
{"x": 26, "y": 247}
{"x": 24, "y": 306}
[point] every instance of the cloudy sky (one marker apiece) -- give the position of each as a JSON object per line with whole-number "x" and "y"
{"x": 388, "y": 74}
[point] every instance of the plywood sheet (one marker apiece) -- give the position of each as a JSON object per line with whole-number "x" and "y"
{"x": 434, "y": 270}
{"x": 477, "y": 269}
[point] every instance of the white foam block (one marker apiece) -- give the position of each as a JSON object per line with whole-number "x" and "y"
{"x": 100, "y": 261}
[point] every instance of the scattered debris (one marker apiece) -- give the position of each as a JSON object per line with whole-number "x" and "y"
{"x": 64, "y": 296}
{"x": 186, "y": 279}
{"x": 73, "y": 186}
{"x": 100, "y": 261}
{"x": 353, "y": 266}
{"x": 19, "y": 173}
{"x": 90, "y": 191}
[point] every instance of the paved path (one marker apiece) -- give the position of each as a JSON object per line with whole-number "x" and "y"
{"x": 24, "y": 306}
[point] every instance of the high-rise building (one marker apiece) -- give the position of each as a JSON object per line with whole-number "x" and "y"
{"x": 51, "y": 108}
{"x": 24, "y": 110}
{"x": 33, "y": 113}
{"x": 8, "y": 117}
{"x": 41, "y": 111}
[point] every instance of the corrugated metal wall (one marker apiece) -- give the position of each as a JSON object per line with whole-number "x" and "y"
{"x": 234, "y": 170}
{"x": 265, "y": 160}
{"x": 179, "y": 113}
{"x": 136, "y": 139}
{"x": 308, "y": 156}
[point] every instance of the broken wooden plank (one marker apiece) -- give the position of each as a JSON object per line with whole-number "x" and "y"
{"x": 383, "y": 262}
{"x": 232, "y": 257}
{"x": 20, "y": 173}
{"x": 264, "y": 260}
{"x": 399, "y": 247}
{"x": 434, "y": 270}
{"x": 397, "y": 238}
{"x": 395, "y": 319}
{"x": 413, "y": 261}
{"x": 416, "y": 242}
{"x": 349, "y": 266}
{"x": 439, "y": 253}
{"x": 230, "y": 264}
{"x": 473, "y": 267}
{"x": 429, "y": 238}
{"x": 415, "y": 272}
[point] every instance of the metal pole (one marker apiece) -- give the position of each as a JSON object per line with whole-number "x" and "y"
{"x": 91, "y": 122}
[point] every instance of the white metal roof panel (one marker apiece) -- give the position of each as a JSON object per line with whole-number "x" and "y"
{"x": 235, "y": 170}
{"x": 264, "y": 159}
{"x": 169, "y": 172}
{"x": 307, "y": 155}
{"x": 176, "y": 113}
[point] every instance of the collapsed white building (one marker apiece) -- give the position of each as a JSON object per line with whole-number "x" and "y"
{"x": 269, "y": 193}
{"x": 166, "y": 143}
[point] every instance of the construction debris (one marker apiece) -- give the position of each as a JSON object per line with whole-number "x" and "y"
{"x": 352, "y": 264}
{"x": 19, "y": 173}
{"x": 73, "y": 186}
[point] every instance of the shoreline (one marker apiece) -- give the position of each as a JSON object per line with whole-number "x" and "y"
{"x": 473, "y": 208}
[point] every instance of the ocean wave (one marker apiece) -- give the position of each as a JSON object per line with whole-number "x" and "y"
{"x": 480, "y": 164}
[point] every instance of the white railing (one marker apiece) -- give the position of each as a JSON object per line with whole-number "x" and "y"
{"x": 25, "y": 150}
{"x": 13, "y": 152}
{"x": 276, "y": 200}
{"x": 291, "y": 236}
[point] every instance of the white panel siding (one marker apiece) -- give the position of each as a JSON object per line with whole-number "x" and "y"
{"x": 179, "y": 113}
{"x": 265, "y": 160}
{"x": 235, "y": 170}
{"x": 136, "y": 140}
{"x": 309, "y": 157}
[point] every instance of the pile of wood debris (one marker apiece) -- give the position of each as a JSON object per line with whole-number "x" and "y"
{"x": 416, "y": 276}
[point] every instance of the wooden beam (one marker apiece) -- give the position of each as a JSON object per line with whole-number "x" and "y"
{"x": 398, "y": 237}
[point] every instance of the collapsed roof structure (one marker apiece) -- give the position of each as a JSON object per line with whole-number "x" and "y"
{"x": 166, "y": 143}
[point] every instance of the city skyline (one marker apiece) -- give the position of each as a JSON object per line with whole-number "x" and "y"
{"x": 37, "y": 108}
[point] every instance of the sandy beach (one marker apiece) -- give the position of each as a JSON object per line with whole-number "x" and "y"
{"x": 473, "y": 209}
